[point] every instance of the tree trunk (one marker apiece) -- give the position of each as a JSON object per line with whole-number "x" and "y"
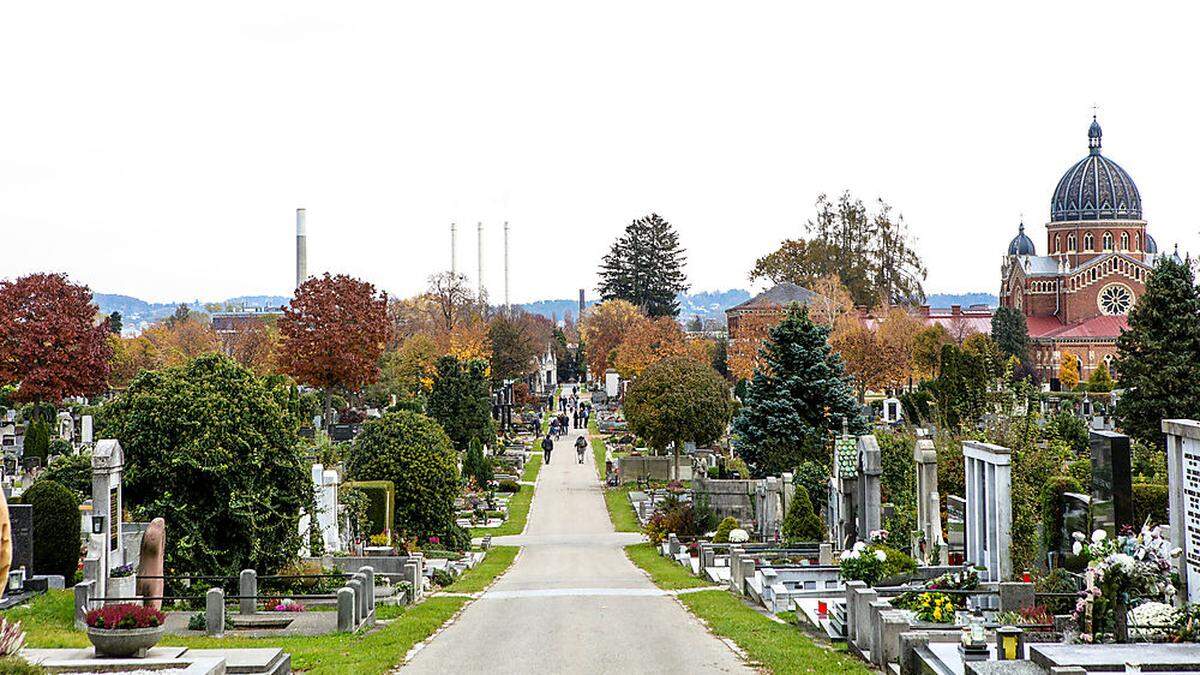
{"x": 327, "y": 420}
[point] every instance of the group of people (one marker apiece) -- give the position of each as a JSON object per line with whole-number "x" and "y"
{"x": 573, "y": 414}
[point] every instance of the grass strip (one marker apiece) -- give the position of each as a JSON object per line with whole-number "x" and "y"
{"x": 665, "y": 573}
{"x": 48, "y": 621}
{"x": 518, "y": 513}
{"x": 620, "y": 509}
{"x": 479, "y": 577}
{"x": 780, "y": 648}
{"x": 530, "y": 473}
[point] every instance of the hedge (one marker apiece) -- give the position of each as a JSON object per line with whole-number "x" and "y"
{"x": 1150, "y": 500}
{"x": 55, "y": 529}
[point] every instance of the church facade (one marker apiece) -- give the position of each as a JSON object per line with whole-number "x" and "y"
{"x": 1076, "y": 298}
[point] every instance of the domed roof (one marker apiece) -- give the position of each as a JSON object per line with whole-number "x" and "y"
{"x": 1096, "y": 188}
{"x": 1021, "y": 244}
{"x": 1151, "y": 245}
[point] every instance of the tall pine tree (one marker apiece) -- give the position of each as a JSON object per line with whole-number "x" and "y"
{"x": 796, "y": 401}
{"x": 1010, "y": 332}
{"x": 645, "y": 267}
{"x": 1158, "y": 358}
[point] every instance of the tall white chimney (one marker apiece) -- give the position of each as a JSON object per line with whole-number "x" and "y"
{"x": 301, "y": 247}
{"x": 479, "y": 252}
{"x": 506, "y": 305}
{"x": 453, "y": 249}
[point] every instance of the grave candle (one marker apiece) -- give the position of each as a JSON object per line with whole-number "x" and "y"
{"x": 822, "y": 608}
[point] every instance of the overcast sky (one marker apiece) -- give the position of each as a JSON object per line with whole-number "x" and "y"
{"x": 160, "y": 151}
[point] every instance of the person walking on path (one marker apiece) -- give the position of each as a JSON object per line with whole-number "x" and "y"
{"x": 547, "y": 448}
{"x": 580, "y": 446}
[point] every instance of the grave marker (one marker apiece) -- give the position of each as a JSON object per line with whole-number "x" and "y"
{"x": 21, "y": 518}
{"x": 1183, "y": 477}
{"x": 988, "y": 477}
{"x": 1112, "y": 487}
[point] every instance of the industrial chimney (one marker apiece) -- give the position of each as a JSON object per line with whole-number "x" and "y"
{"x": 506, "y": 305}
{"x": 301, "y": 247}
{"x": 453, "y": 250}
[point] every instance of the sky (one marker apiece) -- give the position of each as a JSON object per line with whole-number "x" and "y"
{"x": 160, "y": 149}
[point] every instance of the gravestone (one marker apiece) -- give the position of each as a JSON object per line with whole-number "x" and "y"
{"x": 21, "y": 517}
{"x": 1112, "y": 487}
{"x": 929, "y": 514}
{"x": 1183, "y": 478}
{"x": 844, "y": 484}
{"x": 868, "y": 500}
{"x": 66, "y": 426}
{"x": 988, "y": 478}
{"x": 341, "y": 432}
{"x": 1075, "y": 518}
{"x": 893, "y": 412}
{"x": 85, "y": 429}
{"x": 325, "y": 488}
{"x": 106, "y": 546}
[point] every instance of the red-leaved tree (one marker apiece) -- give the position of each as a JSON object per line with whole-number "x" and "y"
{"x": 51, "y": 344}
{"x": 333, "y": 334}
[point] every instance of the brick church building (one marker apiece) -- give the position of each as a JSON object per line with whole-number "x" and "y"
{"x": 1078, "y": 296}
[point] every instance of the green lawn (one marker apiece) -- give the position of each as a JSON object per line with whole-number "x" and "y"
{"x": 474, "y": 580}
{"x": 532, "y": 467}
{"x": 664, "y": 573}
{"x": 48, "y": 621}
{"x": 518, "y": 513}
{"x": 620, "y": 510}
{"x": 780, "y": 648}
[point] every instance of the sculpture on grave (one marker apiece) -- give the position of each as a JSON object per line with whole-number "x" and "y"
{"x": 150, "y": 562}
{"x": 6, "y": 543}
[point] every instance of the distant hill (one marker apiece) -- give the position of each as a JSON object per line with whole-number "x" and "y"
{"x": 706, "y": 304}
{"x": 964, "y": 299}
{"x": 136, "y": 313}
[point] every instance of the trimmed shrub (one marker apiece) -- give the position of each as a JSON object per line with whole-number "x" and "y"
{"x": 801, "y": 523}
{"x": 414, "y": 453}
{"x": 1052, "y": 509}
{"x": 55, "y": 528}
{"x": 897, "y": 562}
{"x": 1150, "y": 501}
{"x": 727, "y": 525}
{"x": 508, "y": 486}
{"x": 37, "y": 440}
{"x": 476, "y": 466}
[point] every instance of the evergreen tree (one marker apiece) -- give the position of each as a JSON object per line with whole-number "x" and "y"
{"x": 1101, "y": 381}
{"x": 461, "y": 401}
{"x": 1158, "y": 358}
{"x": 114, "y": 323}
{"x": 1010, "y": 332}
{"x": 960, "y": 390}
{"x": 802, "y": 523}
{"x": 37, "y": 440}
{"x": 645, "y": 267}
{"x": 476, "y": 466}
{"x": 796, "y": 401}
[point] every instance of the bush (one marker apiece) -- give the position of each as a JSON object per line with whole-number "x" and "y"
{"x": 1067, "y": 427}
{"x": 73, "y": 472}
{"x": 510, "y": 486}
{"x": 1149, "y": 463}
{"x": 455, "y": 538}
{"x": 897, "y": 562}
{"x": 814, "y": 476}
{"x": 722, "y": 534}
{"x": 1081, "y": 471}
{"x": 55, "y": 528}
{"x": 675, "y": 516}
{"x": 442, "y": 577}
{"x": 476, "y": 465}
{"x": 1058, "y": 580}
{"x": 1150, "y": 501}
{"x": 37, "y": 440}
{"x": 1052, "y": 509}
{"x": 801, "y": 523}
{"x": 15, "y": 665}
{"x": 411, "y": 451}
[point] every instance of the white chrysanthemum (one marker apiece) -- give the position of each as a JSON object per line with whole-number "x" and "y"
{"x": 1098, "y": 536}
{"x": 880, "y": 556}
{"x": 1077, "y": 548}
{"x": 738, "y": 536}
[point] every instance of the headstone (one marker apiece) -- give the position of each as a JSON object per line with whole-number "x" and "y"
{"x": 988, "y": 478}
{"x": 612, "y": 383}
{"x": 325, "y": 488}
{"x": 21, "y": 517}
{"x": 66, "y": 426}
{"x": 893, "y": 412}
{"x": 1183, "y": 478}
{"x": 1075, "y": 518}
{"x": 85, "y": 426}
{"x": 106, "y": 547}
{"x": 929, "y": 515}
{"x": 843, "y": 499}
{"x": 869, "y": 517}
{"x": 1112, "y": 485}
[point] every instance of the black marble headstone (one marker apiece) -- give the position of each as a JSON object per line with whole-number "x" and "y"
{"x": 342, "y": 432}
{"x": 1074, "y": 519}
{"x": 1112, "y": 487}
{"x": 21, "y": 517}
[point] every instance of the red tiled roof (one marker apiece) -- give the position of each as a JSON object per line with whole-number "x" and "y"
{"x": 1095, "y": 327}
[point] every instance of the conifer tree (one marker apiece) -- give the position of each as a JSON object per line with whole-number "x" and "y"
{"x": 1158, "y": 358}
{"x": 476, "y": 466}
{"x": 802, "y": 523}
{"x": 796, "y": 401}
{"x": 1101, "y": 380}
{"x": 1010, "y": 332}
{"x": 645, "y": 267}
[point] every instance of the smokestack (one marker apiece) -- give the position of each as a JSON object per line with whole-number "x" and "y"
{"x": 301, "y": 247}
{"x": 506, "y": 305}
{"x": 580, "y": 303}
{"x": 453, "y": 249}
{"x": 479, "y": 252}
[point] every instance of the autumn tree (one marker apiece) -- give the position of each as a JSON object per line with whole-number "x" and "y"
{"x": 645, "y": 267}
{"x": 333, "y": 334}
{"x": 649, "y": 341}
{"x": 516, "y": 342}
{"x": 831, "y": 301}
{"x": 255, "y": 346}
{"x": 182, "y": 337}
{"x": 861, "y": 352}
{"x": 602, "y": 329}
{"x": 130, "y": 356}
{"x": 898, "y": 335}
{"x": 50, "y": 345}
{"x": 1068, "y": 370}
{"x": 409, "y": 370}
{"x": 927, "y": 350}
{"x": 452, "y": 298}
{"x": 744, "y": 353}
{"x": 677, "y": 400}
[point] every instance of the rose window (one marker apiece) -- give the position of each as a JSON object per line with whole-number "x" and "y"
{"x": 1115, "y": 299}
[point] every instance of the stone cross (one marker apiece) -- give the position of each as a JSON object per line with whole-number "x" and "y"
{"x": 868, "y": 518}
{"x": 988, "y": 477}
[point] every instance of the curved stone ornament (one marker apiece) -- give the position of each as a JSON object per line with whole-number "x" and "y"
{"x": 150, "y": 563}
{"x": 6, "y": 543}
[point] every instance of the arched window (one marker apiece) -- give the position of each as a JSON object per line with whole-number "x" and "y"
{"x": 1137, "y": 242}
{"x": 1089, "y": 242}
{"x": 1071, "y": 242}
{"x": 1107, "y": 241}
{"x": 1124, "y": 241}
{"x": 1057, "y": 243}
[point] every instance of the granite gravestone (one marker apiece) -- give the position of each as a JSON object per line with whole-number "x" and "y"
{"x": 1075, "y": 518}
{"x": 1112, "y": 488}
{"x": 21, "y": 517}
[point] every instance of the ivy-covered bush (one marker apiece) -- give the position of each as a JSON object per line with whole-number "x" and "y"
{"x": 728, "y": 524}
{"x": 413, "y": 452}
{"x": 1058, "y": 580}
{"x": 1067, "y": 427}
{"x": 210, "y": 448}
{"x": 1150, "y": 501}
{"x": 74, "y": 472}
{"x": 55, "y": 528}
{"x": 1052, "y": 509}
{"x": 801, "y": 523}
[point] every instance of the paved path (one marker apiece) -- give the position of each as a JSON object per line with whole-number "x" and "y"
{"x": 572, "y": 602}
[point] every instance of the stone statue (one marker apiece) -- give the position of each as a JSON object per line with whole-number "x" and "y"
{"x": 6, "y": 543}
{"x": 150, "y": 564}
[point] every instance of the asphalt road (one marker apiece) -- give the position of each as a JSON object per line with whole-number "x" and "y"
{"x": 572, "y": 602}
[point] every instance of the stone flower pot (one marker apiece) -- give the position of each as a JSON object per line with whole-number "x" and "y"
{"x": 124, "y": 642}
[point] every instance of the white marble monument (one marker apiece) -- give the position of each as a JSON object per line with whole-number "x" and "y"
{"x": 988, "y": 477}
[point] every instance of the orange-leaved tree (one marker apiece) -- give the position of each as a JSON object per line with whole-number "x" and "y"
{"x": 649, "y": 341}
{"x": 333, "y": 334}
{"x": 602, "y": 328}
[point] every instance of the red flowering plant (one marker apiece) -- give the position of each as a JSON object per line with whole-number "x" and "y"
{"x": 124, "y": 616}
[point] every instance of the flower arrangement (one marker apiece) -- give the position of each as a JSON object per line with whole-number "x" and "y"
{"x": 1153, "y": 621}
{"x": 12, "y": 638}
{"x": 967, "y": 580}
{"x": 1125, "y": 570}
{"x": 124, "y": 616}
{"x": 120, "y": 571}
{"x": 738, "y": 536}
{"x": 935, "y": 608}
{"x": 862, "y": 563}
{"x": 282, "y": 605}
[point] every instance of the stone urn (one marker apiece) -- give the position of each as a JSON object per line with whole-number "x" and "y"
{"x": 124, "y": 642}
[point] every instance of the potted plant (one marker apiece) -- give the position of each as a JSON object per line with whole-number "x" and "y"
{"x": 125, "y": 629}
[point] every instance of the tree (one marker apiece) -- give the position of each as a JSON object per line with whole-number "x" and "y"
{"x": 517, "y": 340}
{"x": 73, "y": 472}
{"x": 114, "y": 323}
{"x": 212, "y": 449}
{"x": 461, "y": 401}
{"x": 1010, "y": 332}
{"x": 960, "y": 390}
{"x": 649, "y": 341}
{"x": 255, "y": 346}
{"x": 1101, "y": 381}
{"x": 796, "y": 401}
{"x": 869, "y": 253}
{"x": 678, "y": 399}
{"x": 897, "y": 336}
{"x": 55, "y": 528}
{"x": 414, "y": 453}
{"x": 333, "y": 335}
{"x": 1158, "y": 358}
{"x": 645, "y": 267}
{"x": 476, "y": 465}
{"x": 927, "y": 351}
{"x": 452, "y": 298}
{"x": 37, "y": 439}
{"x": 831, "y": 302}
{"x": 861, "y": 353}
{"x": 602, "y": 329}
{"x": 130, "y": 356}
{"x": 409, "y": 370}
{"x": 801, "y": 523}
{"x": 1068, "y": 370}
{"x": 182, "y": 337}
{"x": 50, "y": 346}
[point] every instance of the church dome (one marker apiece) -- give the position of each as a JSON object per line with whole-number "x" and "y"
{"x": 1021, "y": 244}
{"x": 1151, "y": 245}
{"x": 1095, "y": 188}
